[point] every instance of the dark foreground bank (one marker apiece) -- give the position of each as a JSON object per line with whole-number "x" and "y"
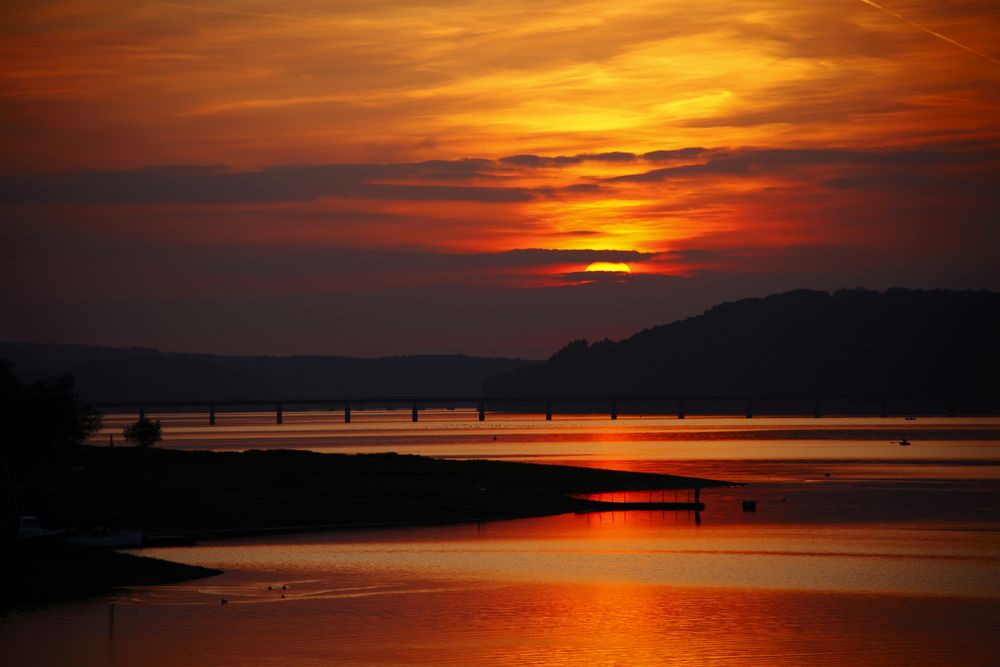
{"x": 212, "y": 493}
{"x": 45, "y": 570}
{"x": 219, "y": 494}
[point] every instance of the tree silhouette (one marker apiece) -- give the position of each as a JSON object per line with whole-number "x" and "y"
{"x": 144, "y": 432}
{"x": 42, "y": 416}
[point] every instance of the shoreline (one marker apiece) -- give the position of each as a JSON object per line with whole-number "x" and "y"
{"x": 193, "y": 536}
{"x": 49, "y": 571}
{"x": 175, "y": 495}
{"x": 174, "y": 492}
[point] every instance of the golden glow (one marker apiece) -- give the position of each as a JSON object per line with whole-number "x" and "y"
{"x": 614, "y": 267}
{"x": 121, "y": 85}
{"x": 204, "y": 85}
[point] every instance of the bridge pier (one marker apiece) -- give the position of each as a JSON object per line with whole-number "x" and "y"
{"x": 884, "y": 405}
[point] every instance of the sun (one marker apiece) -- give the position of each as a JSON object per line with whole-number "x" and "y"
{"x": 611, "y": 267}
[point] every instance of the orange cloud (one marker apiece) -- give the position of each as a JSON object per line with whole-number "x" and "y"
{"x": 740, "y": 138}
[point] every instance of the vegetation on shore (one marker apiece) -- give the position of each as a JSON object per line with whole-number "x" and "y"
{"x": 41, "y": 418}
{"x": 144, "y": 432}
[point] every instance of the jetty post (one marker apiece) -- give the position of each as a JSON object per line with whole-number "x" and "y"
{"x": 614, "y": 408}
{"x": 482, "y": 411}
{"x": 413, "y": 411}
{"x": 347, "y": 412}
{"x": 680, "y": 408}
{"x": 548, "y": 410}
{"x": 749, "y": 408}
{"x": 211, "y": 415}
{"x": 279, "y": 417}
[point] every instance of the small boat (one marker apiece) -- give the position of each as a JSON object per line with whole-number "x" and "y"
{"x": 904, "y": 442}
{"x": 28, "y": 528}
{"x": 109, "y": 539}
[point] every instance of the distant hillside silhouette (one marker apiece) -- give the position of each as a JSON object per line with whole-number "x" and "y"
{"x": 108, "y": 374}
{"x": 800, "y": 342}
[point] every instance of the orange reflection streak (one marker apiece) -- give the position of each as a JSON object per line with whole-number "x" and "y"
{"x": 433, "y": 621}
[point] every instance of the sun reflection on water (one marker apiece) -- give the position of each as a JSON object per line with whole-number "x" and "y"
{"x": 860, "y": 551}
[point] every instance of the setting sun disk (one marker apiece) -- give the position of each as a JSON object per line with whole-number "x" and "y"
{"x": 613, "y": 267}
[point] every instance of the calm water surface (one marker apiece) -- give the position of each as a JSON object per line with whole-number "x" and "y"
{"x": 861, "y": 552}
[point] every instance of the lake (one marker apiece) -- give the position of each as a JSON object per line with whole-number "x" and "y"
{"x": 861, "y": 552}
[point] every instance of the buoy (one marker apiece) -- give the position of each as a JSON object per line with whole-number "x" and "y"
{"x": 223, "y": 601}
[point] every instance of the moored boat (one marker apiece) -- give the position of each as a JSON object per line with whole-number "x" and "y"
{"x": 28, "y": 528}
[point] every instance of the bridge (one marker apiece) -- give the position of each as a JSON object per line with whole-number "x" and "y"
{"x": 882, "y": 405}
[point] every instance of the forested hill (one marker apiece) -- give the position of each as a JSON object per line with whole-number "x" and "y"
{"x": 800, "y": 342}
{"x": 108, "y": 374}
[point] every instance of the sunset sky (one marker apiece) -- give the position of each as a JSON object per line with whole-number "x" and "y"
{"x": 373, "y": 177}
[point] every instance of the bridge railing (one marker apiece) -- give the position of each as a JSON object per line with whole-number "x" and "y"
{"x": 680, "y": 405}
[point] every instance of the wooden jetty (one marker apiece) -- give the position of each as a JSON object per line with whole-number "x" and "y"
{"x": 626, "y": 506}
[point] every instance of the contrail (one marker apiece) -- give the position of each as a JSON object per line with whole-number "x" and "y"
{"x": 929, "y": 31}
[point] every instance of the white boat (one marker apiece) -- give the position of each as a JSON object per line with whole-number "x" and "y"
{"x": 110, "y": 539}
{"x": 28, "y": 528}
